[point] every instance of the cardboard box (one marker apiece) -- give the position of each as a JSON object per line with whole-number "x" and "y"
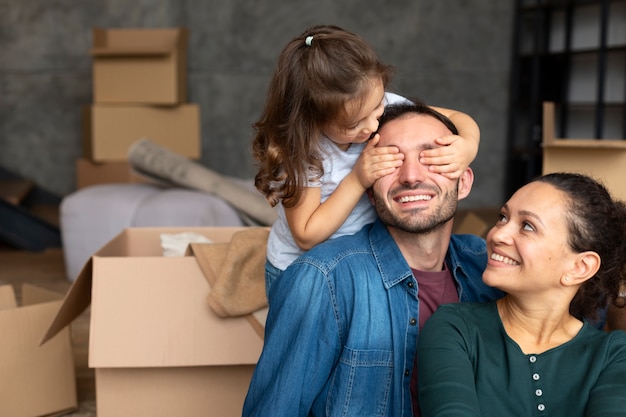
{"x": 156, "y": 346}
{"x": 110, "y": 130}
{"x": 139, "y": 66}
{"x": 36, "y": 380}
{"x": 602, "y": 159}
{"x": 91, "y": 173}
{"x": 476, "y": 221}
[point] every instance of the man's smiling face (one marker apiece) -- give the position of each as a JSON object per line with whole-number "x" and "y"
{"x": 413, "y": 199}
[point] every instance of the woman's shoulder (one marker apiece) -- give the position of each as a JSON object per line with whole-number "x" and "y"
{"x": 616, "y": 338}
{"x": 617, "y": 345}
{"x": 476, "y": 323}
{"x": 468, "y": 312}
{"x": 469, "y": 307}
{"x": 611, "y": 343}
{"x": 607, "y": 347}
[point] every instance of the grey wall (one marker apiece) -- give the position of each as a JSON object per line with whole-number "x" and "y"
{"x": 451, "y": 53}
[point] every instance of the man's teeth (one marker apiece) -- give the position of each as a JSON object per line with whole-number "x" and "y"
{"x": 420, "y": 197}
{"x": 504, "y": 259}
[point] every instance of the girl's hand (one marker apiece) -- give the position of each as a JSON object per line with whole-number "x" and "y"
{"x": 376, "y": 162}
{"x": 451, "y": 159}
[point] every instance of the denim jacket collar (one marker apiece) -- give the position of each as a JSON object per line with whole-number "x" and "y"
{"x": 384, "y": 248}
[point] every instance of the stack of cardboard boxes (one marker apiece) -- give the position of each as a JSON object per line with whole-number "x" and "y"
{"x": 139, "y": 91}
{"x": 155, "y": 344}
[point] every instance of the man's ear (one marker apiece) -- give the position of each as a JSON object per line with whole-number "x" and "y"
{"x": 465, "y": 183}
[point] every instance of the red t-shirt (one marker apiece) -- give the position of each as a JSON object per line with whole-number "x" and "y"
{"x": 434, "y": 289}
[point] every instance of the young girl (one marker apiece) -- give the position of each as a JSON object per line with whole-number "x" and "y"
{"x": 316, "y": 141}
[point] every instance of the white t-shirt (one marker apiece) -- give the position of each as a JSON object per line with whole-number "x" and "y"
{"x": 282, "y": 249}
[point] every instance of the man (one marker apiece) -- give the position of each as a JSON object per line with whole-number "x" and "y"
{"x": 342, "y": 328}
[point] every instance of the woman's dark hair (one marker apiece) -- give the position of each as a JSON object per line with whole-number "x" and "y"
{"x": 597, "y": 223}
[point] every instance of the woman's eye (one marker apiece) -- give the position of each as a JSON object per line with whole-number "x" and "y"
{"x": 502, "y": 218}
{"x": 528, "y": 227}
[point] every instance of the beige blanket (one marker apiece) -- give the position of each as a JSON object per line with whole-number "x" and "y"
{"x": 236, "y": 273}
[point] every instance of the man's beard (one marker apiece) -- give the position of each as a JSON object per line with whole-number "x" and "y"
{"x": 414, "y": 221}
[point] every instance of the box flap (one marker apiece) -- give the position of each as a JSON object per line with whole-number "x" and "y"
{"x": 32, "y": 294}
{"x": 77, "y": 299}
{"x": 7, "y": 297}
{"x": 152, "y": 312}
{"x": 137, "y": 42}
{"x": 147, "y": 51}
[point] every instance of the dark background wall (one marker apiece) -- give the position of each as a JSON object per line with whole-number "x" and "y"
{"x": 451, "y": 53}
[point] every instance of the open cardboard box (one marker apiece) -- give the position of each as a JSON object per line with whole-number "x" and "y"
{"x": 35, "y": 380}
{"x": 156, "y": 346}
{"x": 139, "y": 65}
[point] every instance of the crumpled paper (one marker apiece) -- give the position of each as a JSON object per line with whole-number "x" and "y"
{"x": 175, "y": 244}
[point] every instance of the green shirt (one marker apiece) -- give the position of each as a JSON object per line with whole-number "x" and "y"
{"x": 469, "y": 366}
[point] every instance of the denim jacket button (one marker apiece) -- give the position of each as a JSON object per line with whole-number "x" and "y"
{"x": 412, "y": 322}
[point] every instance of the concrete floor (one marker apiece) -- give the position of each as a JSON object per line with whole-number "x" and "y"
{"x": 85, "y": 409}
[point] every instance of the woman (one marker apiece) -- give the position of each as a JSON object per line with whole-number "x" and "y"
{"x": 558, "y": 251}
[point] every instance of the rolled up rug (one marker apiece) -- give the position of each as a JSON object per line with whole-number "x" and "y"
{"x": 162, "y": 165}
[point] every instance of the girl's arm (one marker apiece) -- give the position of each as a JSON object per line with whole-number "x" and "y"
{"x": 458, "y": 151}
{"x": 312, "y": 222}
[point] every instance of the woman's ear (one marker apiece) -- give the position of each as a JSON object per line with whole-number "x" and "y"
{"x": 586, "y": 265}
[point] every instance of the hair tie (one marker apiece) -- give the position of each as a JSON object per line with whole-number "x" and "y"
{"x": 308, "y": 40}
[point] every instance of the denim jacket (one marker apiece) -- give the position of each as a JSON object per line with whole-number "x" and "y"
{"x": 342, "y": 327}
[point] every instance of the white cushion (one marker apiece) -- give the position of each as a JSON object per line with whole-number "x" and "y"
{"x": 92, "y": 216}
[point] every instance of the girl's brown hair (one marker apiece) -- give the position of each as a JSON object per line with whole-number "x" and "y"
{"x": 316, "y": 74}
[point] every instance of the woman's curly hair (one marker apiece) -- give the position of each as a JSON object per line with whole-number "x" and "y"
{"x": 597, "y": 223}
